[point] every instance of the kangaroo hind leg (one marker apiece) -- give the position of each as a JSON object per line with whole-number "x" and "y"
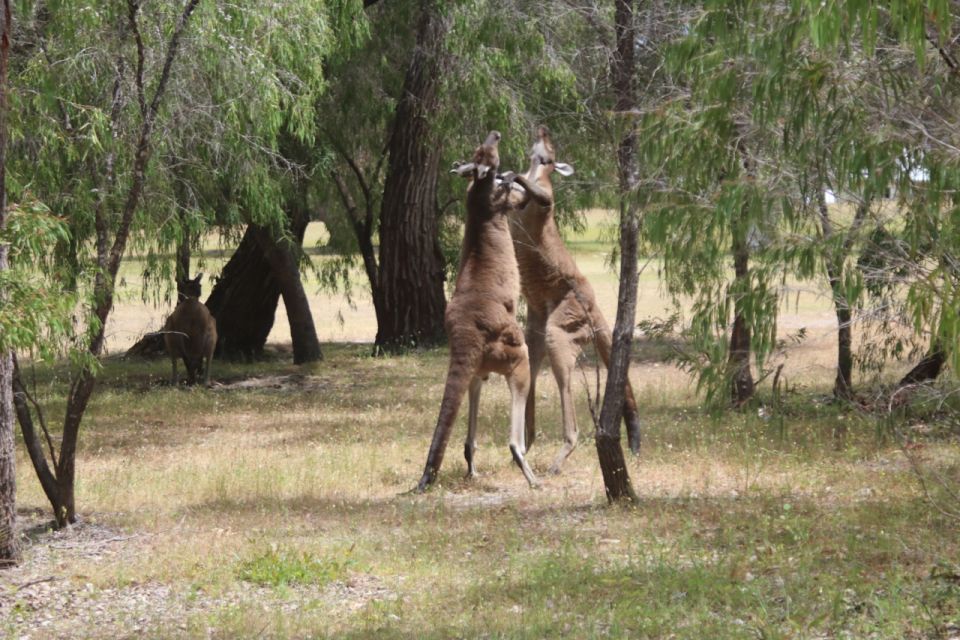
{"x": 470, "y": 445}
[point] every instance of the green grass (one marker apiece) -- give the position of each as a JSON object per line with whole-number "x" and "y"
{"x": 275, "y": 567}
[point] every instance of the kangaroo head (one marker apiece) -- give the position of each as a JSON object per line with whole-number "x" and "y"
{"x": 543, "y": 155}
{"x": 486, "y": 159}
{"x": 187, "y": 288}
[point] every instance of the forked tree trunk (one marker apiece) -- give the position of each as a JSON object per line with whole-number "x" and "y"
{"x": 616, "y": 480}
{"x": 244, "y": 301}
{"x": 410, "y": 301}
{"x": 282, "y": 256}
{"x": 109, "y": 258}
{"x": 9, "y": 547}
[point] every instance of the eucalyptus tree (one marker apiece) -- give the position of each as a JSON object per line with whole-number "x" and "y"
{"x": 777, "y": 103}
{"x": 489, "y": 65}
{"x": 102, "y": 89}
{"x": 616, "y": 480}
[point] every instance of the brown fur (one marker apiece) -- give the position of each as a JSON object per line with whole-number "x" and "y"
{"x": 190, "y": 333}
{"x": 562, "y": 311}
{"x": 480, "y": 320}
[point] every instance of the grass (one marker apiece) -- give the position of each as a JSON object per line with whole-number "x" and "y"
{"x": 745, "y": 530}
{"x": 283, "y": 567}
{"x": 280, "y": 508}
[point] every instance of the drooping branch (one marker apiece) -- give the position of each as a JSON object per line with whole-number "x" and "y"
{"x": 133, "y": 7}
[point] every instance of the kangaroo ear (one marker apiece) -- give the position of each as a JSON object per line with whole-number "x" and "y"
{"x": 482, "y": 170}
{"x": 563, "y": 168}
{"x": 198, "y": 278}
{"x": 463, "y": 170}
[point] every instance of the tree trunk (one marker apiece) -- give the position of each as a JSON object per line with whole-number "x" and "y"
{"x": 34, "y": 446}
{"x": 616, "y": 480}
{"x": 843, "y": 384}
{"x": 244, "y": 301}
{"x": 927, "y": 369}
{"x": 410, "y": 300}
{"x": 282, "y": 256}
{"x": 742, "y": 386}
{"x": 110, "y": 254}
{"x": 183, "y": 248}
{"x": 9, "y": 547}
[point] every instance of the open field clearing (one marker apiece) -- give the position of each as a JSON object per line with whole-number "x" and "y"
{"x": 276, "y": 504}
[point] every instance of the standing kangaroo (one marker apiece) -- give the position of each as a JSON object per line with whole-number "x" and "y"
{"x": 562, "y": 311}
{"x": 190, "y": 333}
{"x": 481, "y": 320}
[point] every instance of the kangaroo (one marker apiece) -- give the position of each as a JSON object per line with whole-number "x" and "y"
{"x": 190, "y": 333}
{"x": 480, "y": 320}
{"x": 562, "y": 312}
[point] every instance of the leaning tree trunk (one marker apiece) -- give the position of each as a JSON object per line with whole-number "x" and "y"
{"x": 410, "y": 301}
{"x": 282, "y": 256}
{"x": 9, "y": 549}
{"x": 616, "y": 480}
{"x": 244, "y": 300}
{"x": 927, "y": 369}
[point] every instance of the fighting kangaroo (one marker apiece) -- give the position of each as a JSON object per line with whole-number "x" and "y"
{"x": 562, "y": 311}
{"x": 481, "y": 321}
{"x": 190, "y": 333}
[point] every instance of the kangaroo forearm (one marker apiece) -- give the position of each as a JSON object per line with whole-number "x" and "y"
{"x": 535, "y": 191}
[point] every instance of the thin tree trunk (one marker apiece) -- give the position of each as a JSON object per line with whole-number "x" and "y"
{"x": 410, "y": 300}
{"x": 9, "y": 546}
{"x": 34, "y": 446}
{"x": 616, "y": 479}
{"x": 742, "y": 386}
{"x": 843, "y": 383}
{"x": 110, "y": 255}
{"x": 183, "y": 249}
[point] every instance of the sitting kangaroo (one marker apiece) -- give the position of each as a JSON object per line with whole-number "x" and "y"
{"x": 190, "y": 333}
{"x": 562, "y": 312}
{"x": 481, "y": 320}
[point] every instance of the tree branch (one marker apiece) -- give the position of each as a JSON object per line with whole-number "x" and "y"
{"x": 133, "y": 6}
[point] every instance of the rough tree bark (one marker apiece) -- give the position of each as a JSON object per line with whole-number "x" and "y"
{"x": 9, "y": 548}
{"x": 616, "y": 480}
{"x": 410, "y": 301}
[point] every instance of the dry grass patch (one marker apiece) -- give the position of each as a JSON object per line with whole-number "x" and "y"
{"x": 746, "y": 527}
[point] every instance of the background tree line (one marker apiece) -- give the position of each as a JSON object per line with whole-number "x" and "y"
{"x": 719, "y": 129}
